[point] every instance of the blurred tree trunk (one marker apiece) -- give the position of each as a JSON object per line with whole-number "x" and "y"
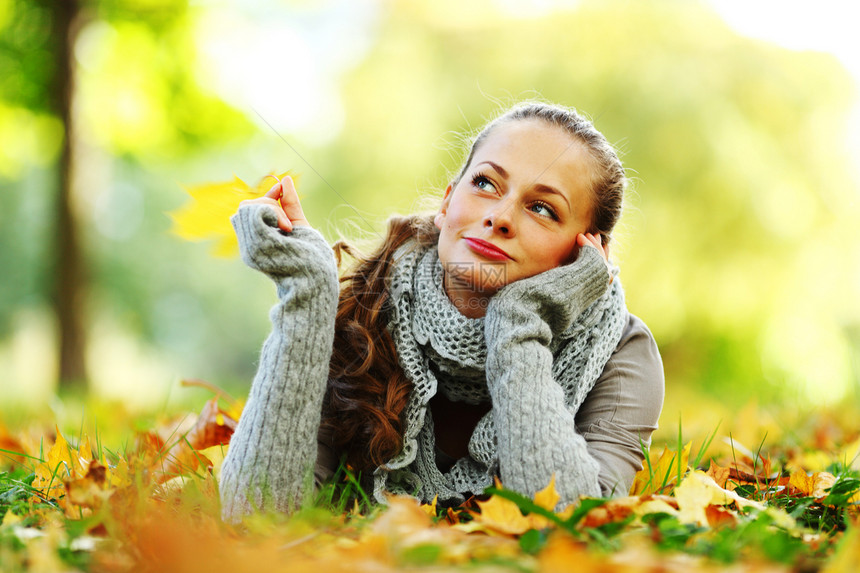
{"x": 68, "y": 272}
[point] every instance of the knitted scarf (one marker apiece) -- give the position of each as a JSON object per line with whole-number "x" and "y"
{"x": 439, "y": 349}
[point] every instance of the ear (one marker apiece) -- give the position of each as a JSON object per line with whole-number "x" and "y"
{"x": 443, "y": 209}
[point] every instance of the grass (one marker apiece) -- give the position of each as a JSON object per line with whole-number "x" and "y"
{"x": 126, "y": 505}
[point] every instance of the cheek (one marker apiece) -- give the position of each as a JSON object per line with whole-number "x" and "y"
{"x": 562, "y": 253}
{"x": 456, "y": 220}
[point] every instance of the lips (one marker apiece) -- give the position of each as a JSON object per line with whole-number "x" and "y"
{"x": 487, "y": 250}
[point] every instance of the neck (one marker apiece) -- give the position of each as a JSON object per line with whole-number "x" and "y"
{"x": 470, "y": 303}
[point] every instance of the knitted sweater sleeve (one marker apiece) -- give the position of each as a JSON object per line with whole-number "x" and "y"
{"x": 270, "y": 460}
{"x": 621, "y": 411}
{"x": 537, "y": 436}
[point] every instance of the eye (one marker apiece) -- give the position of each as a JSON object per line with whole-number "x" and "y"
{"x": 482, "y": 182}
{"x": 544, "y": 210}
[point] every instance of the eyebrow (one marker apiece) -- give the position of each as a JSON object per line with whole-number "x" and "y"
{"x": 497, "y": 167}
{"x": 540, "y": 187}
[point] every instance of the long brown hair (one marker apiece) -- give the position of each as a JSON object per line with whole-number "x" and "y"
{"x": 367, "y": 390}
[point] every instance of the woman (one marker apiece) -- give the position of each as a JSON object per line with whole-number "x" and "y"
{"x": 489, "y": 340}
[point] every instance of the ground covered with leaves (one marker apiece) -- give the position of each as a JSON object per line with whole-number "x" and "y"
{"x": 75, "y": 503}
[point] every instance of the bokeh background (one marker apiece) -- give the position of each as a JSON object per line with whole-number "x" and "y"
{"x": 738, "y": 122}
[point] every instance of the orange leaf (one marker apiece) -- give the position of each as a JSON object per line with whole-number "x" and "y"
{"x": 612, "y": 511}
{"x": 718, "y": 516}
{"x": 563, "y": 553}
{"x": 213, "y": 427}
{"x": 10, "y": 443}
{"x": 719, "y": 474}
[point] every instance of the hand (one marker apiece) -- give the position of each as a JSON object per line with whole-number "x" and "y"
{"x": 590, "y": 240}
{"x": 283, "y": 197}
{"x": 557, "y": 296}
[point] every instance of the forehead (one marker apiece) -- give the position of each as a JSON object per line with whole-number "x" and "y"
{"x": 534, "y": 150}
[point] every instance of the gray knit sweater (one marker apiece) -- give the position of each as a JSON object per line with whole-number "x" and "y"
{"x": 272, "y": 452}
{"x": 535, "y": 356}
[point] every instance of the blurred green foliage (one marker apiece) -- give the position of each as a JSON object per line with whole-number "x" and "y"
{"x": 739, "y": 246}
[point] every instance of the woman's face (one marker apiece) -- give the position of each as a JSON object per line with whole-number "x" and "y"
{"x": 514, "y": 213}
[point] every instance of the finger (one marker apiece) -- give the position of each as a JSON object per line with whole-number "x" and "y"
{"x": 604, "y": 252}
{"x": 595, "y": 242}
{"x": 291, "y": 204}
{"x": 586, "y": 240}
{"x": 283, "y": 221}
{"x": 275, "y": 192}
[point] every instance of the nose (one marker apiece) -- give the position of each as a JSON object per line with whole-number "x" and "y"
{"x": 500, "y": 219}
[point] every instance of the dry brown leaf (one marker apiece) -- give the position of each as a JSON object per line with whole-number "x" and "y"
{"x": 214, "y": 427}
{"x": 719, "y": 474}
{"x": 89, "y": 490}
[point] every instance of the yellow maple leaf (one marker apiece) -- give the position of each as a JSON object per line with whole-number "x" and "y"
{"x": 63, "y": 461}
{"x": 207, "y": 215}
{"x": 815, "y": 485}
{"x": 74, "y": 478}
{"x": 660, "y": 473}
{"x": 216, "y": 455}
{"x": 430, "y": 509}
{"x": 500, "y": 515}
{"x": 548, "y": 497}
{"x": 118, "y": 475}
